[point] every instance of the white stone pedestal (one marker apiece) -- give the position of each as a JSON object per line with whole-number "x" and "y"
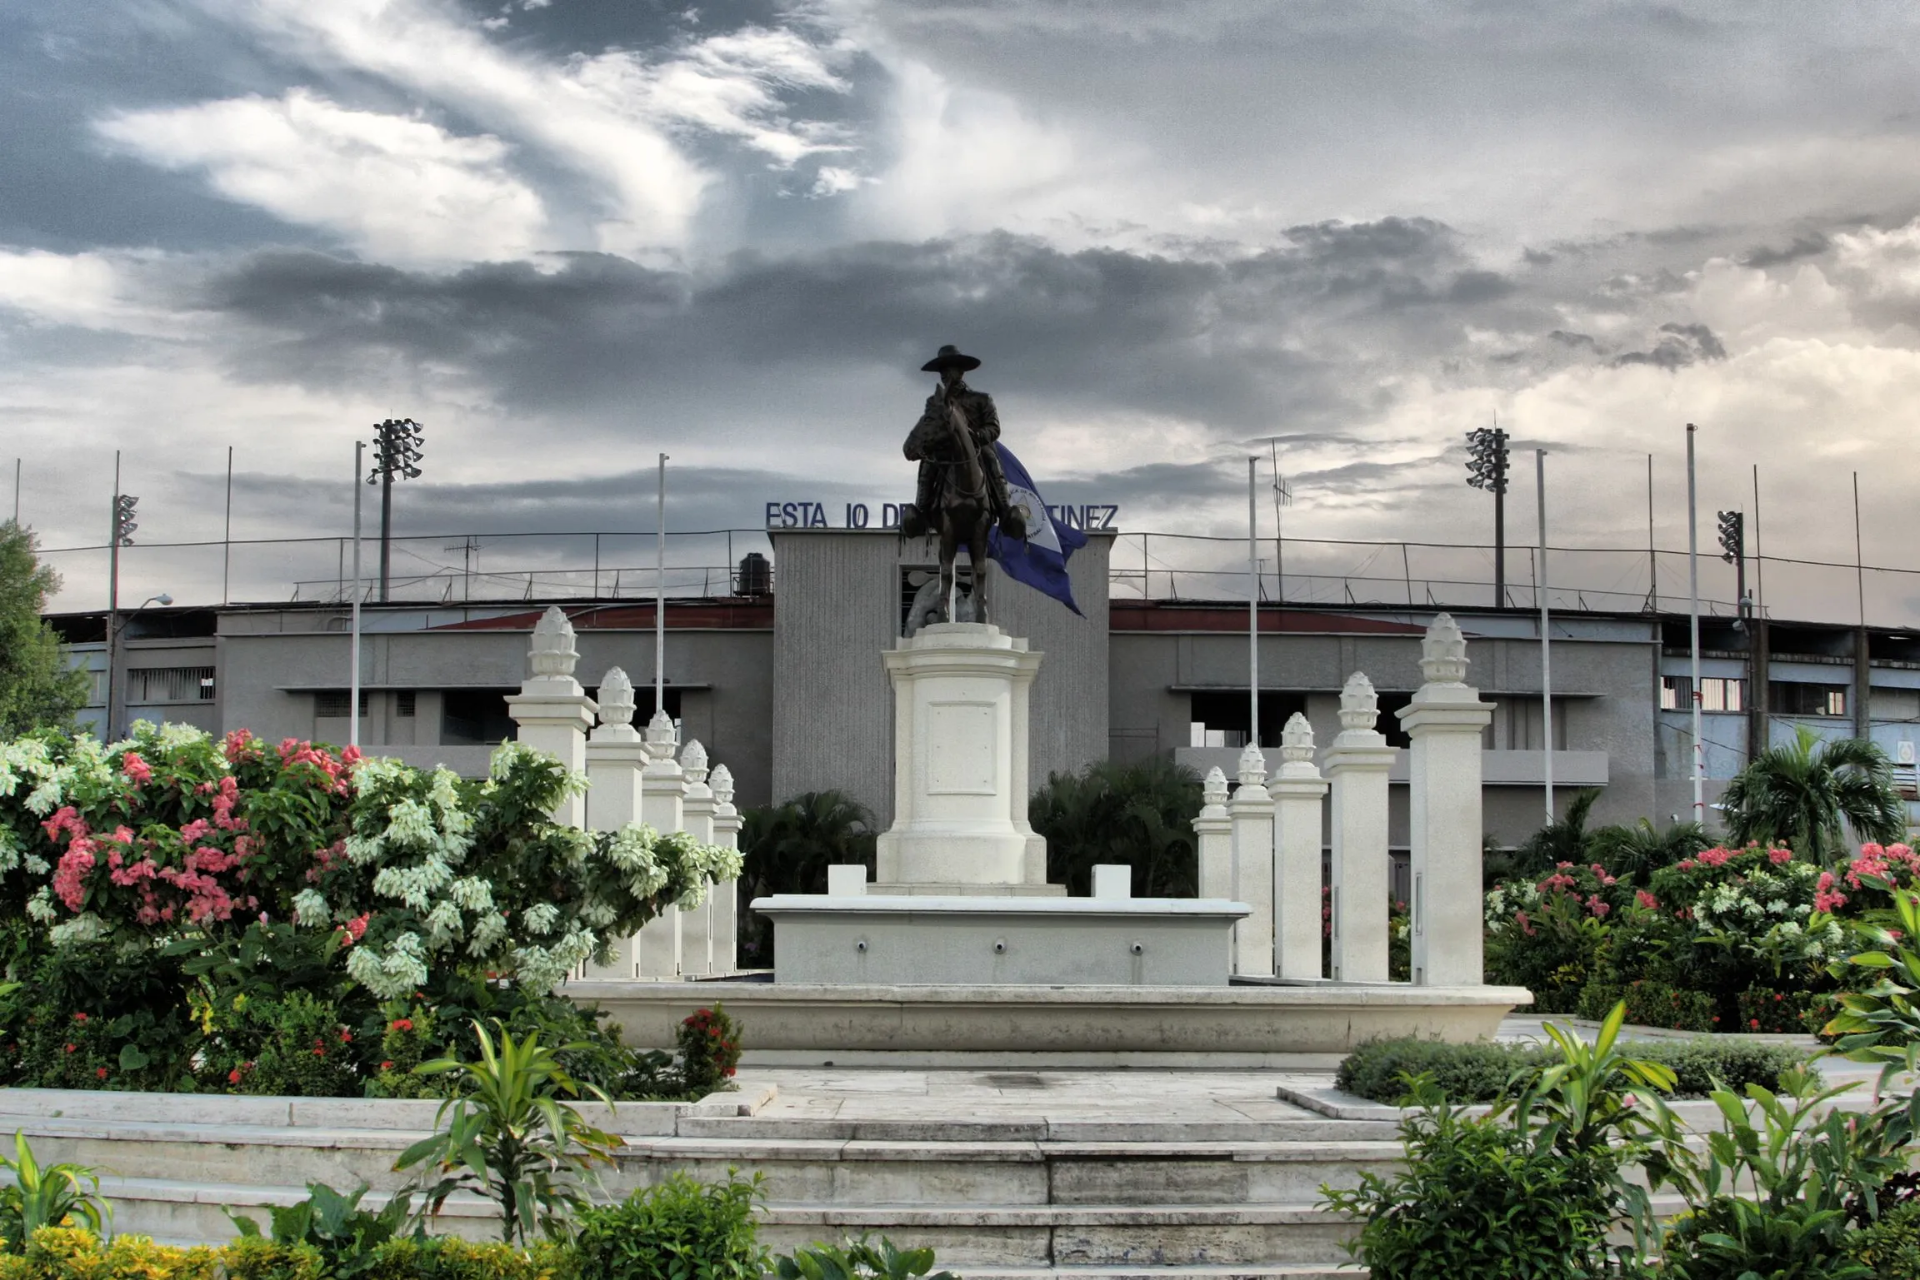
{"x": 1357, "y": 765}
{"x": 1297, "y": 790}
{"x": 1446, "y": 721}
{"x": 960, "y": 743}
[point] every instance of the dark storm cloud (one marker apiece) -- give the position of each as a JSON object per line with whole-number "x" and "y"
{"x": 1236, "y": 342}
{"x": 1807, "y": 246}
{"x": 1684, "y": 344}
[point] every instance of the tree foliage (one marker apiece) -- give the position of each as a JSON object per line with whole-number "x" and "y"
{"x": 1138, "y": 814}
{"x": 37, "y": 688}
{"x": 1805, "y": 794}
{"x": 787, "y": 848}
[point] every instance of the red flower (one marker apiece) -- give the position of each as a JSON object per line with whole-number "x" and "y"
{"x": 346, "y": 1036}
{"x": 1754, "y": 1023}
{"x": 72, "y": 1047}
{"x": 101, "y": 1072}
{"x": 400, "y": 1024}
{"x": 319, "y": 1053}
{"x": 79, "y": 1017}
{"x": 387, "y": 1065}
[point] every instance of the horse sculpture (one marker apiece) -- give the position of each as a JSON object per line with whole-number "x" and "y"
{"x": 966, "y": 510}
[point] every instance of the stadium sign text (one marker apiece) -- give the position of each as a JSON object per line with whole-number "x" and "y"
{"x": 1099, "y": 517}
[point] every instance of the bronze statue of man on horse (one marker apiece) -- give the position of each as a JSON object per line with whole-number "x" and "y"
{"x": 962, "y": 494}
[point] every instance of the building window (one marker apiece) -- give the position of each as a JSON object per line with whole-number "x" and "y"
{"x": 1807, "y": 699}
{"x": 331, "y": 704}
{"x": 476, "y": 717}
{"x": 1717, "y": 693}
{"x": 170, "y": 684}
{"x": 405, "y": 703}
{"x": 1220, "y": 718}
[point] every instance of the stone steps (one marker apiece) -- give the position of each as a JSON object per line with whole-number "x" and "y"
{"x": 1029, "y": 1197}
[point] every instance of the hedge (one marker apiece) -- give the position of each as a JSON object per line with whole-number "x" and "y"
{"x": 1482, "y": 1071}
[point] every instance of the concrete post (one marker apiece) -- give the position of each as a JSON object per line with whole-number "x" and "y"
{"x": 663, "y": 786}
{"x": 1252, "y": 815}
{"x": 726, "y": 897}
{"x": 1297, "y": 791}
{"x": 696, "y": 930}
{"x": 1446, "y": 721}
{"x": 615, "y": 756}
{"x": 1357, "y": 765}
{"x": 1214, "y": 829}
{"x": 552, "y": 710}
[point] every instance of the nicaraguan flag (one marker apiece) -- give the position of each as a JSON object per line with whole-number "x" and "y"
{"x": 1039, "y": 560}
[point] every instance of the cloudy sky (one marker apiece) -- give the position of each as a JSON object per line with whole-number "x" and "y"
{"x": 570, "y": 234}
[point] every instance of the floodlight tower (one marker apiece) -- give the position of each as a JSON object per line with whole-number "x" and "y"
{"x": 1487, "y": 469}
{"x": 1733, "y": 549}
{"x": 122, "y": 536}
{"x": 396, "y": 448}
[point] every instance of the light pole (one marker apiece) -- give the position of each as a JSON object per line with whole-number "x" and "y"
{"x": 396, "y": 448}
{"x": 1487, "y": 469}
{"x": 163, "y": 600}
{"x": 120, "y": 536}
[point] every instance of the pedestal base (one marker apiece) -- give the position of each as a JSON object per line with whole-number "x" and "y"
{"x": 988, "y": 941}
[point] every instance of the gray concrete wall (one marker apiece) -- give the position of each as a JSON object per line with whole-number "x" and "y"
{"x": 262, "y": 654}
{"x": 838, "y": 594}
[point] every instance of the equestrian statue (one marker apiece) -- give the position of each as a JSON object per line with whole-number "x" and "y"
{"x": 962, "y": 493}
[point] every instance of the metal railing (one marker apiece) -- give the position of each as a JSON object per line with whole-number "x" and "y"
{"x": 507, "y": 566}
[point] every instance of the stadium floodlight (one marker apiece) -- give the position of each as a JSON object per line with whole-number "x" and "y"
{"x": 1487, "y": 458}
{"x": 1733, "y": 549}
{"x": 396, "y": 454}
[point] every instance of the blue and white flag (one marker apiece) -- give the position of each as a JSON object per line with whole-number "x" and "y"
{"x": 1040, "y": 559}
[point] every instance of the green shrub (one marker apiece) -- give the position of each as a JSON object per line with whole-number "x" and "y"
{"x": 1477, "y": 1072}
{"x": 450, "y": 1258}
{"x": 1890, "y": 1246}
{"x": 1658, "y": 1004}
{"x": 345, "y": 1234}
{"x": 1483, "y": 1072}
{"x": 1481, "y": 1198}
{"x": 678, "y": 1229}
{"x": 70, "y": 1253}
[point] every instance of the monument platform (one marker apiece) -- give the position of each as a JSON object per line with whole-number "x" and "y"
{"x": 815, "y": 1022}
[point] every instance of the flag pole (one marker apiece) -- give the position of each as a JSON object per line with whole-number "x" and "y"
{"x": 1546, "y": 635}
{"x": 1253, "y": 606}
{"x": 660, "y": 595}
{"x": 1693, "y": 621}
{"x": 353, "y": 678}
{"x": 226, "y": 539}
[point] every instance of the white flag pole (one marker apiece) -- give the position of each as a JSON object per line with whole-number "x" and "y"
{"x": 660, "y": 595}
{"x": 353, "y": 680}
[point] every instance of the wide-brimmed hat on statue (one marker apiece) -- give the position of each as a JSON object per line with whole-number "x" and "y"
{"x": 950, "y": 358}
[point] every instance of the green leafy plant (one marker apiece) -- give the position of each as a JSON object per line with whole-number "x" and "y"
{"x": 346, "y": 1236}
{"x": 510, "y": 1137}
{"x": 1480, "y": 1197}
{"x": 1139, "y": 814}
{"x": 677, "y": 1229}
{"x": 1768, "y": 1193}
{"x": 1881, "y": 1024}
{"x": 858, "y": 1260}
{"x": 46, "y": 1196}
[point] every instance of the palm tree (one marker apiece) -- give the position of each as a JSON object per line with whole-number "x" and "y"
{"x": 1806, "y": 793}
{"x": 1138, "y": 814}
{"x": 1562, "y": 840}
{"x": 1641, "y": 849}
{"x": 787, "y": 848}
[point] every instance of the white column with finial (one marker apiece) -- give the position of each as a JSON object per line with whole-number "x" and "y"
{"x": 1297, "y": 790}
{"x": 726, "y": 897}
{"x": 663, "y": 787}
{"x": 1251, "y": 811}
{"x": 1214, "y": 830}
{"x": 552, "y": 711}
{"x": 1447, "y": 722}
{"x": 1357, "y": 765}
{"x": 615, "y": 756}
{"x": 696, "y": 928}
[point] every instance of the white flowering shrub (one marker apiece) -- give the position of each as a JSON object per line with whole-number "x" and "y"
{"x": 172, "y": 834}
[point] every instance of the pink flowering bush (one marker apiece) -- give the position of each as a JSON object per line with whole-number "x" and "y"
{"x": 1708, "y": 942}
{"x": 235, "y": 870}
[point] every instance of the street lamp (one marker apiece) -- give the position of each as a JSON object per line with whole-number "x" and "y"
{"x": 1487, "y": 469}
{"x": 115, "y": 626}
{"x": 396, "y": 448}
